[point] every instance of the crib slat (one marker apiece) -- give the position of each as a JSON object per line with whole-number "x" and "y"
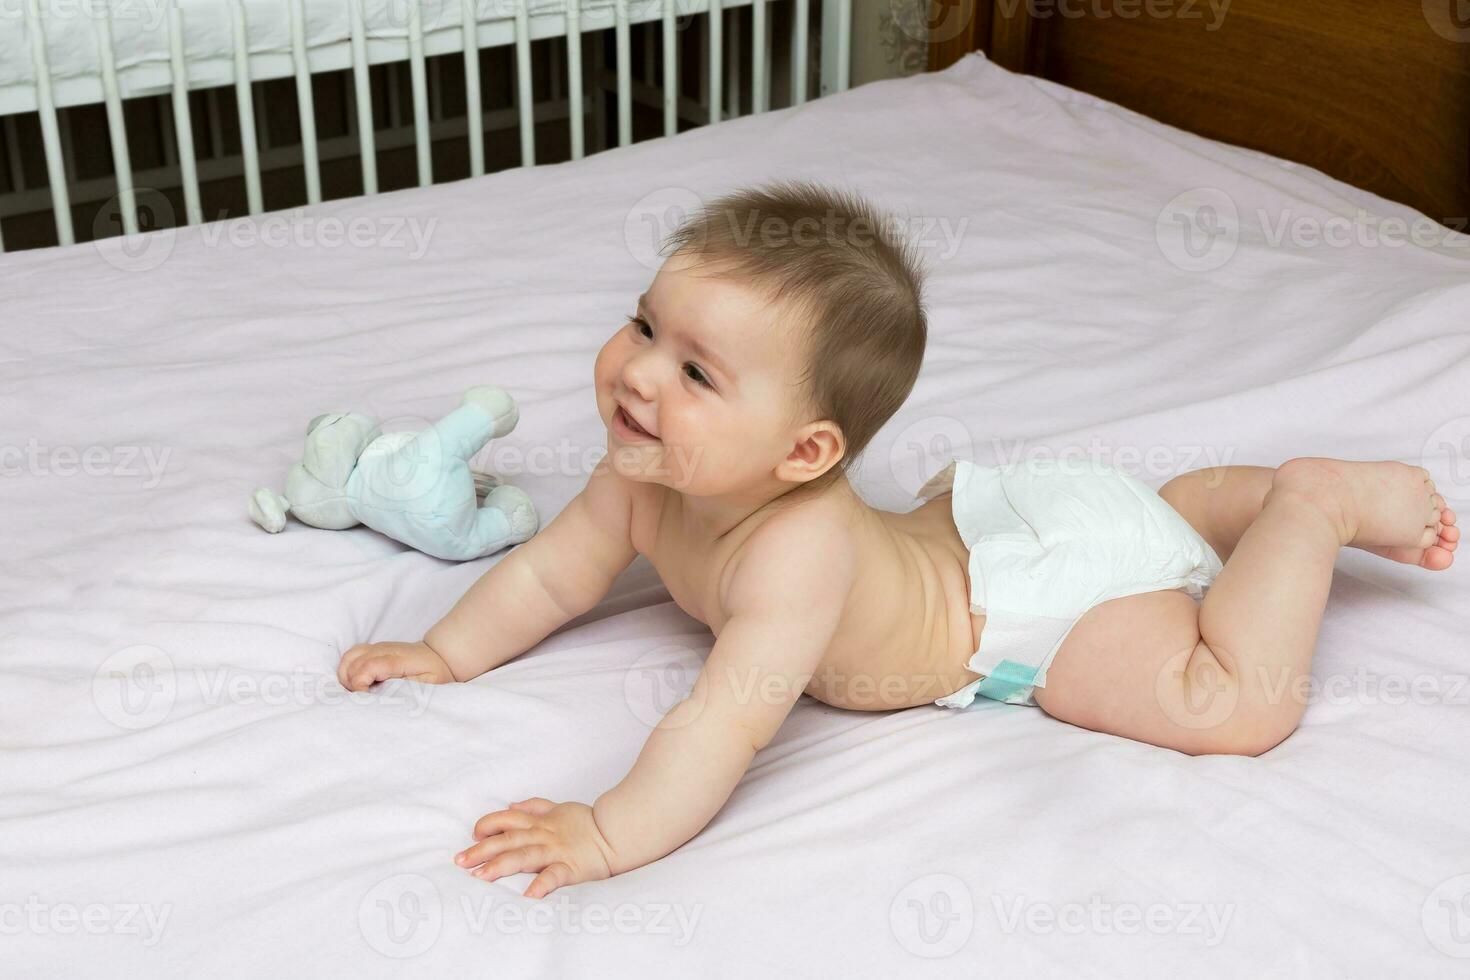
{"x": 732, "y": 73}
{"x": 183, "y": 124}
{"x": 625, "y": 74}
{"x": 245, "y": 107}
{"x": 574, "y": 75}
{"x": 419, "y": 88}
{"x": 671, "y": 71}
{"x": 50, "y": 133}
{"x": 523, "y": 84}
{"x": 836, "y": 57}
{"x": 363, "y": 97}
{"x": 472, "y": 88}
{"x": 716, "y": 54}
{"x": 758, "y": 61}
{"x": 798, "y": 52}
{"x": 305, "y": 105}
{"x": 117, "y": 133}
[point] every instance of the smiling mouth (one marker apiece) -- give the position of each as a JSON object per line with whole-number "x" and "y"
{"x": 629, "y": 423}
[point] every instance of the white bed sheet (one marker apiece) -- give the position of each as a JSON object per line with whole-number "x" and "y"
{"x": 258, "y": 823}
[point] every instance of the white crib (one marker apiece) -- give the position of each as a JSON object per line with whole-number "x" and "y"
{"x": 56, "y": 54}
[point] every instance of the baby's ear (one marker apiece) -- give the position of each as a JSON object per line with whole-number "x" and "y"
{"x": 819, "y": 447}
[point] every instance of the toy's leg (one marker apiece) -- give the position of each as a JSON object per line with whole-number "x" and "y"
{"x": 507, "y": 518}
{"x": 487, "y": 413}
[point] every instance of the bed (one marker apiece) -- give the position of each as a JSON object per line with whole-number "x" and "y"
{"x": 188, "y": 792}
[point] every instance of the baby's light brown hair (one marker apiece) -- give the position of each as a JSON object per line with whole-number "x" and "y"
{"x": 853, "y": 288}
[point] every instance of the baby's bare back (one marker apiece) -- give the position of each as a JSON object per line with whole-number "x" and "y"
{"x": 906, "y": 629}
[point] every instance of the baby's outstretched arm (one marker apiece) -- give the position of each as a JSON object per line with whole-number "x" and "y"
{"x": 557, "y": 575}
{"x": 785, "y": 600}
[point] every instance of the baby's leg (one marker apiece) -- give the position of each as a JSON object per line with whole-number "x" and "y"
{"x": 1224, "y": 675}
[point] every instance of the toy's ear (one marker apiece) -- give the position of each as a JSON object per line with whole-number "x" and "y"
{"x": 311, "y": 426}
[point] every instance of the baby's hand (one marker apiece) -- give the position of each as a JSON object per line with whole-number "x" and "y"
{"x": 559, "y": 840}
{"x": 367, "y": 663}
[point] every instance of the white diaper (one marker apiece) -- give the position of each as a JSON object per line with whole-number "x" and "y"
{"x": 1049, "y": 539}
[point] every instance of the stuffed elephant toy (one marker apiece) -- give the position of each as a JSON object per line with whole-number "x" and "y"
{"x": 415, "y": 487}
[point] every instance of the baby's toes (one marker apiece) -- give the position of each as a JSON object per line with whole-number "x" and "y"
{"x": 1437, "y": 559}
{"x": 1449, "y": 537}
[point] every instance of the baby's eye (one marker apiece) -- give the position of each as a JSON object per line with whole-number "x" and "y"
{"x": 639, "y": 322}
{"x": 698, "y": 376}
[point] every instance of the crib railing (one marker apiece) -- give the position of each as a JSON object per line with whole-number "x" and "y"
{"x": 508, "y": 23}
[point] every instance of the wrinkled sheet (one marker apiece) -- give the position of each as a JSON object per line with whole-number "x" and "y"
{"x": 184, "y": 790}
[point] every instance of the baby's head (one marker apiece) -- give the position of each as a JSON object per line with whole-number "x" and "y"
{"x": 778, "y": 337}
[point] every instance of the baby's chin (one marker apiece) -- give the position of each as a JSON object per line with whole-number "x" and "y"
{"x": 673, "y": 466}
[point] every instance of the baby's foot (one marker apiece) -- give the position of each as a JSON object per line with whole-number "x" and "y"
{"x": 1388, "y": 508}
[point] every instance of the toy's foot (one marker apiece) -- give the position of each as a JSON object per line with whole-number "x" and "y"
{"x": 496, "y": 403}
{"x": 518, "y": 509}
{"x": 268, "y": 509}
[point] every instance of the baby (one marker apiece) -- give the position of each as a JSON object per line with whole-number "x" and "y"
{"x": 781, "y": 333}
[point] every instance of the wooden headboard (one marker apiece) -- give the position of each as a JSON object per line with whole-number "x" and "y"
{"x": 1372, "y": 92}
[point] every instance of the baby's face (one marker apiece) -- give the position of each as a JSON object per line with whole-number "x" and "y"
{"x": 709, "y": 369}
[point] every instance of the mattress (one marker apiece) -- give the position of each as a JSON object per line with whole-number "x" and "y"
{"x": 186, "y": 791}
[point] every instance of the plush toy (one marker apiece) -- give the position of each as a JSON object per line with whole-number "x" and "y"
{"x": 415, "y": 487}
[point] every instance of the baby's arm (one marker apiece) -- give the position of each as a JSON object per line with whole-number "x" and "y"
{"x": 785, "y": 601}
{"x": 560, "y": 573}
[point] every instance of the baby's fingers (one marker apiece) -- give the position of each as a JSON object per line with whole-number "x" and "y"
{"x": 550, "y": 879}
{"x": 354, "y": 653}
{"x": 478, "y": 853}
{"x": 501, "y": 820}
{"x": 367, "y": 671}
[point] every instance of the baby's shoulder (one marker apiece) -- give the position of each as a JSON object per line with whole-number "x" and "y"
{"x": 809, "y": 547}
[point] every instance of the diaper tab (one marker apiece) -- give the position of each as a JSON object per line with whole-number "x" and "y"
{"x": 1009, "y": 682}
